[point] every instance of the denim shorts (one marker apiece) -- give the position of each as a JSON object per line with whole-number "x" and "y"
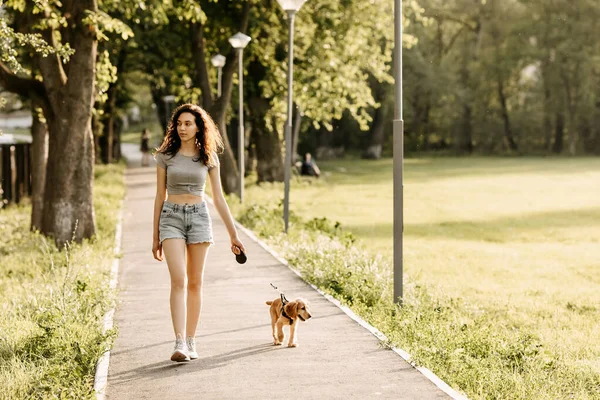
{"x": 185, "y": 221}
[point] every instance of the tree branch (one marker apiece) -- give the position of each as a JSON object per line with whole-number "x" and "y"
{"x": 26, "y": 87}
{"x": 471, "y": 25}
{"x": 51, "y": 67}
{"x": 453, "y": 39}
{"x": 17, "y": 84}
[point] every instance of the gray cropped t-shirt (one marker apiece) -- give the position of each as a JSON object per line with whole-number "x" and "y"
{"x": 184, "y": 175}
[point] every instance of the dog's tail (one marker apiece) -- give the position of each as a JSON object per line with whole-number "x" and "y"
{"x": 269, "y": 303}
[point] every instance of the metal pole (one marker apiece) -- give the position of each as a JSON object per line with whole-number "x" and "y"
{"x": 241, "y": 128}
{"x": 398, "y": 154}
{"x": 288, "y": 125}
{"x": 220, "y": 73}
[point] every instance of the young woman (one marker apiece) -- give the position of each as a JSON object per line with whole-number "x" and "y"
{"x": 182, "y": 225}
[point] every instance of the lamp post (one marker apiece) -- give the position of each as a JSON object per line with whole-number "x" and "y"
{"x": 218, "y": 62}
{"x": 291, "y": 7}
{"x": 239, "y": 41}
{"x": 398, "y": 154}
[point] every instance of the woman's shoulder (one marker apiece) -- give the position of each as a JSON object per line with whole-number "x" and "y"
{"x": 213, "y": 160}
{"x": 162, "y": 158}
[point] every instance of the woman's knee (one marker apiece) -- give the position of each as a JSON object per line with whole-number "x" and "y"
{"x": 178, "y": 283}
{"x": 194, "y": 285}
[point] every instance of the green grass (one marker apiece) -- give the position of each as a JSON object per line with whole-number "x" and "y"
{"x": 502, "y": 260}
{"x": 53, "y": 302}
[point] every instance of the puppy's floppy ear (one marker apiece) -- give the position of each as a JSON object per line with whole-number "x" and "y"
{"x": 291, "y": 309}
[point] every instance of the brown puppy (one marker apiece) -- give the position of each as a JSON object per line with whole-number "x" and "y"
{"x": 287, "y": 315}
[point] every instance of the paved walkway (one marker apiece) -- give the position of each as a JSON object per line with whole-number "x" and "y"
{"x": 337, "y": 358}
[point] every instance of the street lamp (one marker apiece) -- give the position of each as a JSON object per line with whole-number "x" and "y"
{"x": 291, "y": 7}
{"x": 398, "y": 154}
{"x": 239, "y": 41}
{"x": 218, "y": 61}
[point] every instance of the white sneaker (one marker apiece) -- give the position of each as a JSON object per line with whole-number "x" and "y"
{"x": 191, "y": 347}
{"x": 180, "y": 351}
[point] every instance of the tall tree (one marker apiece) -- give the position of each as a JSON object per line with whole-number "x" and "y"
{"x": 65, "y": 94}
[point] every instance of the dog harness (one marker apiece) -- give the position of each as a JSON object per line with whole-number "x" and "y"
{"x": 284, "y": 301}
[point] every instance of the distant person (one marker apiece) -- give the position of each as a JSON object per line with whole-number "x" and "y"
{"x": 309, "y": 167}
{"x": 145, "y": 147}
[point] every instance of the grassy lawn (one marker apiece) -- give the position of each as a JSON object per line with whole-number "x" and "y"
{"x": 53, "y": 302}
{"x": 516, "y": 239}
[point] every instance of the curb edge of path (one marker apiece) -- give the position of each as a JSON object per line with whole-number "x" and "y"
{"x": 443, "y": 386}
{"x": 101, "y": 375}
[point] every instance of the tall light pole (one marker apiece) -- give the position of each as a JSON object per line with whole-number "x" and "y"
{"x": 218, "y": 61}
{"x": 291, "y": 7}
{"x": 239, "y": 41}
{"x": 398, "y": 154}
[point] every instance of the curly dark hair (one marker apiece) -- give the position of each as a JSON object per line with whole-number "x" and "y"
{"x": 208, "y": 138}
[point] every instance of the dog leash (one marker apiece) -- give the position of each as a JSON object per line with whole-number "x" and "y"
{"x": 284, "y": 300}
{"x": 241, "y": 259}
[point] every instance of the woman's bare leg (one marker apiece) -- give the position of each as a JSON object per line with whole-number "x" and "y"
{"x": 195, "y": 271}
{"x": 174, "y": 251}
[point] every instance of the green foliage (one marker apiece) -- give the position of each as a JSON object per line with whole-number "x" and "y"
{"x": 53, "y": 302}
{"x": 484, "y": 70}
{"x": 104, "y": 23}
{"x": 11, "y": 40}
{"x": 106, "y": 73}
{"x": 336, "y": 45}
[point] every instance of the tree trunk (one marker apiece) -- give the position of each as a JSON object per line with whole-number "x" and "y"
{"x": 111, "y": 130}
{"x": 595, "y": 135}
{"x": 571, "y": 98}
{"x": 39, "y": 158}
{"x": 199, "y": 55}
{"x": 464, "y": 135}
{"x": 373, "y": 150}
{"x": 559, "y": 133}
{"x": 573, "y": 132}
{"x": 229, "y": 169}
{"x": 161, "y": 109}
{"x": 547, "y": 101}
{"x": 508, "y": 136}
{"x": 547, "y": 121}
{"x": 250, "y": 156}
{"x": 296, "y": 133}
{"x": 587, "y": 133}
{"x": 377, "y": 132}
{"x": 106, "y": 141}
{"x": 68, "y": 201}
{"x": 68, "y": 206}
{"x": 269, "y": 162}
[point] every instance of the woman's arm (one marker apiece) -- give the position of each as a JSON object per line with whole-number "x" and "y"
{"x": 161, "y": 194}
{"x": 223, "y": 209}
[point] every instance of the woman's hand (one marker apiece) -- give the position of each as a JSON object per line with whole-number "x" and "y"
{"x": 157, "y": 250}
{"x": 237, "y": 245}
